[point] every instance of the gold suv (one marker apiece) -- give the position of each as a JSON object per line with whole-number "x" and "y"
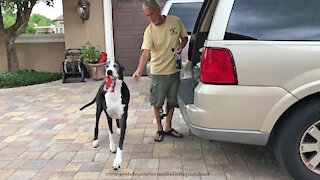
{"x": 254, "y": 76}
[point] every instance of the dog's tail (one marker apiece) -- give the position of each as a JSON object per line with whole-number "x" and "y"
{"x": 89, "y": 104}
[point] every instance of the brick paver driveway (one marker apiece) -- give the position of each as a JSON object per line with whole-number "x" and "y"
{"x": 43, "y": 135}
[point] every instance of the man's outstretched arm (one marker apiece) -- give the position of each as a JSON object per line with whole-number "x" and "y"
{"x": 144, "y": 58}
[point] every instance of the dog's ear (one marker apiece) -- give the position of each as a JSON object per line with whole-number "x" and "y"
{"x": 121, "y": 69}
{"x": 121, "y": 74}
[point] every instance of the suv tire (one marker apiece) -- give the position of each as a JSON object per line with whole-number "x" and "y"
{"x": 293, "y": 134}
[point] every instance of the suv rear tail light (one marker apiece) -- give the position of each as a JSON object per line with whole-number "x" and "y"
{"x": 217, "y": 67}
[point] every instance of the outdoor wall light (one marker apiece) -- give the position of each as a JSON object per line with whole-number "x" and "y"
{"x": 83, "y": 9}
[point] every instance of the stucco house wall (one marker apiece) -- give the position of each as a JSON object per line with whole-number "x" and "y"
{"x": 36, "y": 52}
{"x": 78, "y": 33}
{"x": 46, "y": 53}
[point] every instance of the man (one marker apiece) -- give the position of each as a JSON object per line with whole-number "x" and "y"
{"x": 162, "y": 34}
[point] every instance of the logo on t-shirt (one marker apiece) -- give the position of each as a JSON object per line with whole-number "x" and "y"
{"x": 173, "y": 31}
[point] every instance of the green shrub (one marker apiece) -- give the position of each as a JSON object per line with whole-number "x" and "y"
{"x": 26, "y": 77}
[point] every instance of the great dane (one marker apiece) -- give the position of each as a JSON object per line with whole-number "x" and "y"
{"x": 113, "y": 98}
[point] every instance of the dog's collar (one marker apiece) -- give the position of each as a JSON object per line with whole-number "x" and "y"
{"x": 111, "y": 82}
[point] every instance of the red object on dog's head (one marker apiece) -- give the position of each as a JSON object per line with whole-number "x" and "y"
{"x": 111, "y": 82}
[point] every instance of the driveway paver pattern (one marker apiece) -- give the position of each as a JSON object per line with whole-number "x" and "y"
{"x": 43, "y": 135}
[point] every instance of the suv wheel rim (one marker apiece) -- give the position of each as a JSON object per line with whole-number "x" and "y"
{"x": 310, "y": 148}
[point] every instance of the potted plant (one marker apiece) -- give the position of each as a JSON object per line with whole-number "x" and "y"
{"x": 90, "y": 55}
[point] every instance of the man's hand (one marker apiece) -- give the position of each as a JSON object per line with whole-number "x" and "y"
{"x": 144, "y": 58}
{"x": 136, "y": 75}
{"x": 183, "y": 43}
{"x": 178, "y": 50}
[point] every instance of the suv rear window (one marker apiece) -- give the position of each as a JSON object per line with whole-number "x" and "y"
{"x": 187, "y": 12}
{"x": 274, "y": 20}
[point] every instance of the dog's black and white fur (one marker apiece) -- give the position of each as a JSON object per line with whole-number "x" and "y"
{"x": 114, "y": 102}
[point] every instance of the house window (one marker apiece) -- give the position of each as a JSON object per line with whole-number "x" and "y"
{"x": 61, "y": 30}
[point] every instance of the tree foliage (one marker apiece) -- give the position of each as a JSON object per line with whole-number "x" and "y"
{"x": 22, "y": 11}
{"x": 9, "y": 18}
{"x": 35, "y": 20}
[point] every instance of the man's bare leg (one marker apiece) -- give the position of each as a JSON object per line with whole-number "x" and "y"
{"x": 169, "y": 119}
{"x": 160, "y": 128}
{"x": 168, "y": 124}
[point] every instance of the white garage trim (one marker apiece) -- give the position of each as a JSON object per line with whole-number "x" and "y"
{"x": 108, "y": 28}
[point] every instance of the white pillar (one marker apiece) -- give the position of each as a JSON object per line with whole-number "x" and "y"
{"x": 108, "y": 28}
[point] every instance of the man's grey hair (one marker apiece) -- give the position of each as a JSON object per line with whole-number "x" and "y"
{"x": 151, "y": 3}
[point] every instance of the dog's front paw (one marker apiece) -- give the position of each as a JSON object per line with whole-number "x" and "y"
{"x": 118, "y": 131}
{"x": 117, "y": 162}
{"x": 112, "y": 148}
{"x": 95, "y": 143}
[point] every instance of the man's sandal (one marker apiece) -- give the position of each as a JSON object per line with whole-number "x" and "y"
{"x": 160, "y": 134}
{"x": 170, "y": 132}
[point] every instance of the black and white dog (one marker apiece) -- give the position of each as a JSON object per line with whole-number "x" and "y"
{"x": 113, "y": 98}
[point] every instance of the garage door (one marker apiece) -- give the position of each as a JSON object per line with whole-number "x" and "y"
{"x": 129, "y": 23}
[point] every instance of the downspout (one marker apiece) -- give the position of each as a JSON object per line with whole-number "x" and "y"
{"x": 108, "y": 28}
